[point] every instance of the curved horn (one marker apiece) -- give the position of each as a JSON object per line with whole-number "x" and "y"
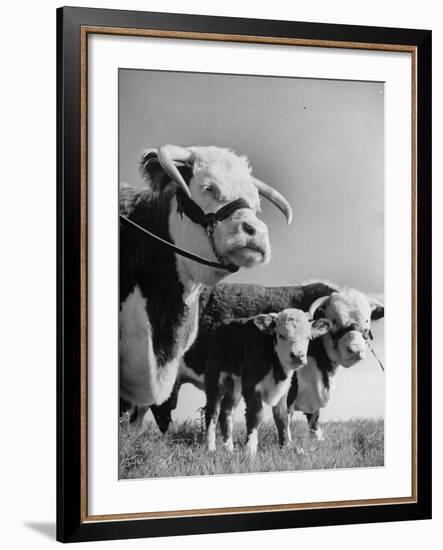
{"x": 167, "y": 155}
{"x": 275, "y": 197}
{"x": 316, "y": 304}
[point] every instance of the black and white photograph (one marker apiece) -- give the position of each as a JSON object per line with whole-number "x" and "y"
{"x": 243, "y": 274}
{"x": 251, "y": 269}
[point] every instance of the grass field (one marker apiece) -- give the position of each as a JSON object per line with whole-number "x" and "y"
{"x": 182, "y": 452}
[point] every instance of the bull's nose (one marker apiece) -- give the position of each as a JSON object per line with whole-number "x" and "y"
{"x": 296, "y": 355}
{"x": 248, "y": 228}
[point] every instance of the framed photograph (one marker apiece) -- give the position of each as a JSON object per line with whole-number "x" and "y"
{"x": 244, "y": 274}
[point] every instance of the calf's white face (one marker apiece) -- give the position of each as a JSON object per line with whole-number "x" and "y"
{"x": 292, "y": 331}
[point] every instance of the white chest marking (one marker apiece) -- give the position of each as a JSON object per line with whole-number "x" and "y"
{"x": 142, "y": 381}
{"x": 312, "y": 393}
{"x": 271, "y": 390}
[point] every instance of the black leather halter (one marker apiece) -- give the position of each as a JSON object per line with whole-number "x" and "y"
{"x": 208, "y": 221}
{"x": 354, "y": 326}
{"x": 193, "y": 211}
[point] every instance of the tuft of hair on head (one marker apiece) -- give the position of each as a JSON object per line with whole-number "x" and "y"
{"x": 223, "y": 157}
{"x": 291, "y": 314}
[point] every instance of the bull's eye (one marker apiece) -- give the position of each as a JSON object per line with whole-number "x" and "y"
{"x": 281, "y": 336}
{"x": 212, "y": 190}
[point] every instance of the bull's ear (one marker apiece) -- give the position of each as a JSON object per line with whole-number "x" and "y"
{"x": 265, "y": 322}
{"x": 377, "y": 309}
{"x": 149, "y": 164}
{"x": 320, "y": 327}
{"x": 151, "y": 168}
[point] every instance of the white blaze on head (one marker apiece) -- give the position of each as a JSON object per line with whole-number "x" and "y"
{"x": 292, "y": 331}
{"x": 224, "y": 176}
{"x": 220, "y": 177}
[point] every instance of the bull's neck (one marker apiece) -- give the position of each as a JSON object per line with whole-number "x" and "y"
{"x": 192, "y": 237}
{"x": 171, "y": 298}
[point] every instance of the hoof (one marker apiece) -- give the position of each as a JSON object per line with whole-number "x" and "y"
{"x": 317, "y": 435}
{"x": 250, "y": 453}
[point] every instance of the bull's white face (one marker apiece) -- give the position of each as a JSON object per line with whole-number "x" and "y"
{"x": 219, "y": 177}
{"x": 292, "y": 332}
{"x": 348, "y": 309}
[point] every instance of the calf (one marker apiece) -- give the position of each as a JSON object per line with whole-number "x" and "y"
{"x": 220, "y": 304}
{"x": 350, "y": 313}
{"x": 254, "y": 358}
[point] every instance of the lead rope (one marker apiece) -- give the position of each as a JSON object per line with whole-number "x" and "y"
{"x": 185, "y": 205}
{"x": 373, "y": 352}
{"x": 231, "y": 268}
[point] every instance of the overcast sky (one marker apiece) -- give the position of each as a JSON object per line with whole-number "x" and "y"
{"x": 319, "y": 142}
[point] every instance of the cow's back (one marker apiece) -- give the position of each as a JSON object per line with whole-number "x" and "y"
{"x": 226, "y": 301}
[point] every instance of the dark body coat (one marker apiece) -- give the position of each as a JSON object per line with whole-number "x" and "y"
{"x": 240, "y": 357}
{"x": 148, "y": 266}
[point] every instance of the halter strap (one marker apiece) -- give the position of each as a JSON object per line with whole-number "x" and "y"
{"x": 344, "y": 330}
{"x": 193, "y": 211}
{"x": 167, "y": 244}
{"x": 208, "y": 221}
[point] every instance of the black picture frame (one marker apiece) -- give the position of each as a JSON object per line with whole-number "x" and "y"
{"x": 72, "y": 524}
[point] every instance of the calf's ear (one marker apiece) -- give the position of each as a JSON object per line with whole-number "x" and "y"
{"x": 320, "y": 327}
{"x": 265, "y": 322}
{"x": 377, "y": 309}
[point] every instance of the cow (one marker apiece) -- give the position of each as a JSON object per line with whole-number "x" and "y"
{"x": 350, "y": 313}
{"x": 254, "y": 358}
{"x": 203, "y": 200}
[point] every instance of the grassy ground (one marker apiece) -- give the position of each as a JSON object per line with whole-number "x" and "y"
{"x": 182, "y": 452}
